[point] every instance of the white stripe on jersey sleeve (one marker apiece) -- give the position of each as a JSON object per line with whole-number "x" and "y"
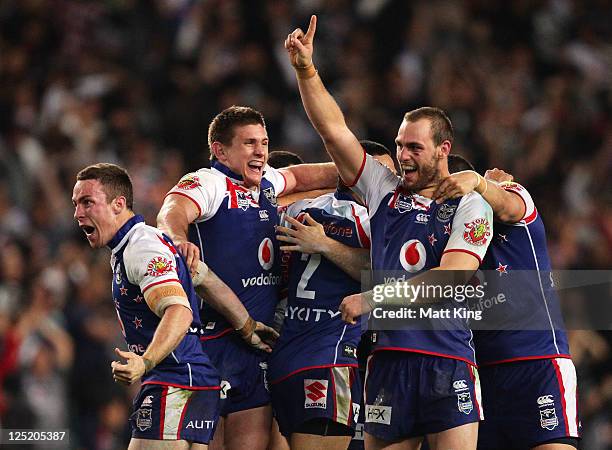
{"x": 472, "y": 228}
{"x": 277, "y": 179}
{"x": 147, "y": 260}
{"x": 375, "y": 182}
{"x": 206, "y": 188}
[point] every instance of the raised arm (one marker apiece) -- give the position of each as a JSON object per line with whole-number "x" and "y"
{"x": 322, "y": 109}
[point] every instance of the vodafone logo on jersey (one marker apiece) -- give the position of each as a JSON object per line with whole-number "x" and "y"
{"x": 413, "y": 256}
{"x": 265, "y": 254}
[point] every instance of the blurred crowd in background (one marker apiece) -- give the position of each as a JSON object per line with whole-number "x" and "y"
{"x": 526, "y": 83}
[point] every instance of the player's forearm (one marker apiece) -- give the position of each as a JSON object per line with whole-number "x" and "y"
{"x": 169, "y": 332}
{"x": 223, "y": 300}
{"x": 321, "y": 108}
{"x": 307, "y": 177}
{"x": 507, "y": 207}
{"x": 437, "y": 285}
{"x": 353, "y": 261}
{"x": 327, "y": 118}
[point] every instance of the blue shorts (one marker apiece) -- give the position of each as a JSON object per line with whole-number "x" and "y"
{"x": 409, "y": 394}
{"x": 332, "y": 392}
{"x": 243, "y": 373}
{"x": 171, "y": 413}
{"x": 528, "y": 403}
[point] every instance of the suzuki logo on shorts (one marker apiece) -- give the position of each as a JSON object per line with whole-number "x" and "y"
{"x": 265, "y": 254}
{"x": 315, "y": 392}
{"x": 546, "y": 400}
{"x": 378, "y": 414}
{"x": 460, "y": 385}
{"x": 412, "y": 256}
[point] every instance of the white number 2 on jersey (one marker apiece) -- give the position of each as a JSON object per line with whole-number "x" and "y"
{"x": 312, "y": 265}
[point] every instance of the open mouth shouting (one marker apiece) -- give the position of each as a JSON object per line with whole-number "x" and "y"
{"x": 90, "y": 232}
{"x": 255, "y": 168}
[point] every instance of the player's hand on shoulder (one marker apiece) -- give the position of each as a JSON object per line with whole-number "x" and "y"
{"x": 191, "y": 253}
{"x": 498, "y": 175}
{"x": 130, "y": 371}
{"x": 456, "y": 185}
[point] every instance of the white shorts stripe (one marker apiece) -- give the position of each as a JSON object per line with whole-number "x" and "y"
{"x": 477, "y": 391}
{"x": 568, "y": 379}
{"x": 342, "y": 388}
{"x": 176, "y": 402}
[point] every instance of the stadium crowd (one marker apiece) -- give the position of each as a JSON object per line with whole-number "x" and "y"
{"x": 526, "y": 84}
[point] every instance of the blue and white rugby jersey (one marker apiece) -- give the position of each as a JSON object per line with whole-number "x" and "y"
{"x": 313, "y": 334}
{"x": 236, "y": 236}
{"x": 410, "y": 233}
{"x": 518, "y": 267}
{"x": 141, "y": 258}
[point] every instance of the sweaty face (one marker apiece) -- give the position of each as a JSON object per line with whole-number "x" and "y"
{"x": 247, "y": 154}
{"x": 417, "y": 155}
{"x": 92, "y": 212}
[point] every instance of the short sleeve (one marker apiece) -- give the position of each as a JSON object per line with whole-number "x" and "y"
{"x": 277, "y": 179}
{"x": 530, "y": 210}
{"x": 204, "y": 189}
{"x": 149, "y": 262}
{"x": 374, "y": 182}
{"x": 472, "y": 227}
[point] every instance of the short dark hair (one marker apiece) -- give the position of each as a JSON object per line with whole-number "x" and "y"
{"x": 457, "y": 163}
{"x": 115, "y": 181}
{"x": 441, "y": 125}
{"x": 376, "y": 148}
{"x": 221, "y": 129}
{"x": 282, "y": 158}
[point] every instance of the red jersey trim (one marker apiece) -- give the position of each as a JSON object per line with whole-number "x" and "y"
{"x": 363, "y": 237}
{"x": 162, "y": 413}
{"x": 533, "y": 216}
{"x": 523, "y": 358}
{"x": 172, "y": 249}
{"x": 188, "y": 388}
{"x": 215, "y": 336}
{"x": 324, "y": 366}
{"x": 161, "y": 282}
{"x": 424, "y": 352}
{"x": 360, "y": 171}
{"x": 185, "y": 195}
{"x": 464, "y": 251}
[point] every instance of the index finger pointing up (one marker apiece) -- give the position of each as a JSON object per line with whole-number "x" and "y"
{"x": 312, "y": 27}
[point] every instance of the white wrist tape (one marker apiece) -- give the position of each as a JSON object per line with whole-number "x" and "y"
{"x": 200, "y": 274}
